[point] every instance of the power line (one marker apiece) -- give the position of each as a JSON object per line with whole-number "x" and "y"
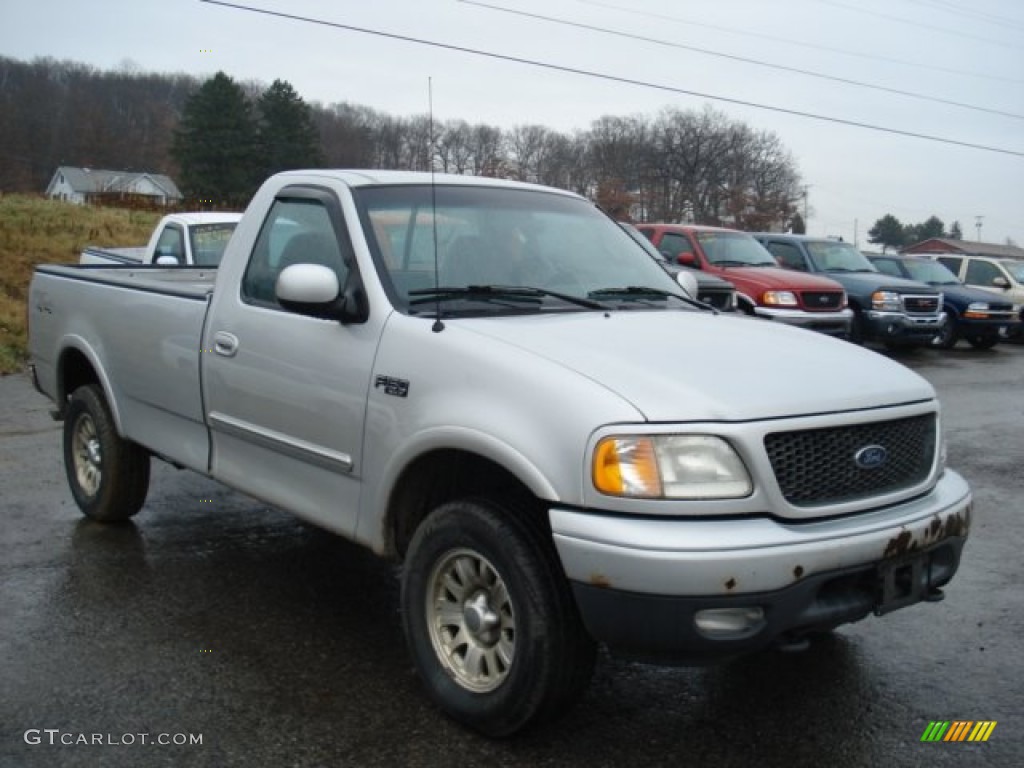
{"x": 969, "y": 13}
{"x": 743, "y": 59}
{"x": 919, "y": 24}
{"x": 613, "y": 78}
{"x": 800, "y": 43}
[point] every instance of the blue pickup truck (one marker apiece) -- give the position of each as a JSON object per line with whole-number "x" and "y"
{"x": 892, "y": 310}
{"x": 971, "y": 313}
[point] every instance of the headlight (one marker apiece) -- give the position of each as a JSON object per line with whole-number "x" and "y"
{"x": 976, "y": 309}
{"x": 779, "y": 298}
{"x": 886, "y": 301}
{"x": 669, "y": 467}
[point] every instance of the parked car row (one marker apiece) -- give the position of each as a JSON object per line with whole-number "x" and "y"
{"x": 829, "y": 286}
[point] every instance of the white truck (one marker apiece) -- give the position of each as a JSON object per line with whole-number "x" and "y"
{"x": 192, "y": 239}
{"x": 490, "y": 383}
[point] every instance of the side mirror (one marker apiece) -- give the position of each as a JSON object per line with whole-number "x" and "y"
{"x": 1001, "y": 282}
{"x": 688, "y": 282}
{"x": 688, "y": 259}
{"x": 167, "y": 260}
{"x": 314, "y": 290}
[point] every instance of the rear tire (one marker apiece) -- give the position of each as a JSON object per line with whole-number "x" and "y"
{"x": 108, "y": 475}
{"x": 489, "y": 618}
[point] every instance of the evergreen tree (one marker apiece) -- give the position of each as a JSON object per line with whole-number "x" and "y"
{"x": 887, "y": 232}
{"x": 287, "y": 136}
{"x": 797, "y": 225}
{"x": 933, "y": 227}
{"x": 955, "y": 232}
{"x": 215, "y": 144}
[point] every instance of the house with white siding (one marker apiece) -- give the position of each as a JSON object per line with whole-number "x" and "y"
{"x": 85, "y": 185}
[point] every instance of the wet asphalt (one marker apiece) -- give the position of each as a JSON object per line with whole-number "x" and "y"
{"x": 276, "y": 644}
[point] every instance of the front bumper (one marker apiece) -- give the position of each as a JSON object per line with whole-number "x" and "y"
{"x": 1005, "y": 327}
{"x": 896, "y": 326}
{"x": 639, "y": 582}
{"x": 830, "y": 323}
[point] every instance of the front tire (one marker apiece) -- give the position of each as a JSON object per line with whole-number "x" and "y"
{"x": 108, "y": 475}
{"x": 489, "y": 618}
{"x": 948, "y": 335}
{"x": 983, "y": 340}
{"x": 858, "y": 330}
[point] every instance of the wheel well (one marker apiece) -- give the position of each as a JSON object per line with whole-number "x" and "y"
{"x": 439, "y": 477}
{"x": 75, "y": 371}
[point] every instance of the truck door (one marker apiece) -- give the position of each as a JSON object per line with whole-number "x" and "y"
{"x": 286, "y": 393}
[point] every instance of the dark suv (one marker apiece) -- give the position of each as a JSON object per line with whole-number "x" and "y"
{"x": 891, "y": 310}
{"x": 971, "y": 314}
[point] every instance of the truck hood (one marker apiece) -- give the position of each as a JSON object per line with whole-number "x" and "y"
{"x": 678, "y": 366}
{"x": 966, "y": 295}
{"x": 753, "y": 280}
{"x": 863, "y": 283}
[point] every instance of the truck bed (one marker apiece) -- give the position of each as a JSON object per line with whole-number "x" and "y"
{"x": 186, "y": 282}
{"x": 145, "y": 324}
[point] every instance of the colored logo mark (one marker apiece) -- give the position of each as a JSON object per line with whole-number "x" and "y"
{"x": 958, "y": 730}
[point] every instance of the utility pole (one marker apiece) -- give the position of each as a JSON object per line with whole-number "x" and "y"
{"x": 977, "y": 225}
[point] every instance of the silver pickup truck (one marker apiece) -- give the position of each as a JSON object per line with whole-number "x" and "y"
{"x": 490, "y": 383}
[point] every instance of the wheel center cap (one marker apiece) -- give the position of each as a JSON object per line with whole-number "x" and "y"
{"x": 93, "y": 449}
{"x": 477, "y": 613}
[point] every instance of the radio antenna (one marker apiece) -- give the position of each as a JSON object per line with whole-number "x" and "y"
{"x": 438, "y": 326}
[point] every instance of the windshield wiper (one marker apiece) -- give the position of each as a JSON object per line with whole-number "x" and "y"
{"x": 642, "y": 292}
{"x": 732, "y": 263}
{"x": 513, "y": 293}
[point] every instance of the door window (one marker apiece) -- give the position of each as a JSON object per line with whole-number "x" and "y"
{"x": 296, "y": 231}
{"x": 673, "y": 244}
{"x": 171, "y": 243}
{"x": 981, "y": 272}
{"x": 952, "y": 263}
{"x": 787, "y": 255}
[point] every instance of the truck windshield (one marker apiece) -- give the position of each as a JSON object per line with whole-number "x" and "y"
{"x": 1015, "y": 268}
{"x": 209, "y": 242}
{"x": 734, "y": 249}
{"x": 836, "y": 256}
{"x": 561, "y": 248}
{"x": 930, "y": 272}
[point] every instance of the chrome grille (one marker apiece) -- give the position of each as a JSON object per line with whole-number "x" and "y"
{"x": 818, "y": 466}
{"x": 822, "y": 300}
{"x": 921, "y": 305}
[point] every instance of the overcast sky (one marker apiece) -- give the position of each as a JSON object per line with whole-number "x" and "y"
{"x": 968, "y": 52}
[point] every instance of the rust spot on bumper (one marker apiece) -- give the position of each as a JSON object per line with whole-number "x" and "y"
{"x": 600, "y": 580}
{"x": 955, "y": 525}
{"x": 798, "y": 572}
{"x": 730, "y": 584}
{"x": 898, "y": 545}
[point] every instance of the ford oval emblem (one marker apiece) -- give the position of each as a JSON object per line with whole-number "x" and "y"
{"x": 871, "y": 457}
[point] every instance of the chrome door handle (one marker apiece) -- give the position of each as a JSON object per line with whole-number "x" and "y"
{"x": 225, "y": 344}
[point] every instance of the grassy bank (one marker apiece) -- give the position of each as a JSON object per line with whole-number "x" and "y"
{"x": 35, "y": 230}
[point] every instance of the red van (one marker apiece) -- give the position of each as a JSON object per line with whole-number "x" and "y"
{"x": 763, "y": 288}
